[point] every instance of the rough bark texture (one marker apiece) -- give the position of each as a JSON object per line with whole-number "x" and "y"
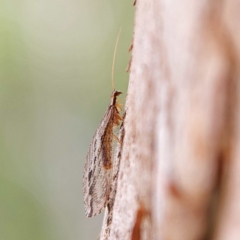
{"x": 179, "y": 173}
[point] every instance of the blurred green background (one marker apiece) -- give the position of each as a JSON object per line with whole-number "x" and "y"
{"x": 55, "y": 85}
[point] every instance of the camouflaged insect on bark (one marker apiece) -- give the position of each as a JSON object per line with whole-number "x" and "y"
{"x": 97, "y": 176}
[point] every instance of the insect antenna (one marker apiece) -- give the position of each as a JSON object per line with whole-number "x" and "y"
{"x": 114, "y": 57}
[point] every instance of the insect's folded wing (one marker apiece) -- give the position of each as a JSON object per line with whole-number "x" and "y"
{"x": 96, "y": 179}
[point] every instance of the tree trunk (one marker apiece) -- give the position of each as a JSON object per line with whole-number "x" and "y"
{"x": 179, "y": 172}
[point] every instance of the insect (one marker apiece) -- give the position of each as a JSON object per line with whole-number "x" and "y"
{"x": 97, "y": 174}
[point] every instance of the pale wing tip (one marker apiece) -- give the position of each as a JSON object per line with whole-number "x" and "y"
{"x": 90, "y": 207}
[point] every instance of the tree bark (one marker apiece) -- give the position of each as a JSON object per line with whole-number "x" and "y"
{"x": 179, "y": 172}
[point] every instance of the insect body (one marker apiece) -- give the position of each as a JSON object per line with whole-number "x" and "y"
{"x": 97, "y": 176}
{"x": 98, "y": 167}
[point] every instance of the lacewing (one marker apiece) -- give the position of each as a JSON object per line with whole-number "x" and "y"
{"x": 97, "y": 176}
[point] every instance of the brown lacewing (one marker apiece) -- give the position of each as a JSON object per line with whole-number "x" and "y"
{"x": 97, "y": 176}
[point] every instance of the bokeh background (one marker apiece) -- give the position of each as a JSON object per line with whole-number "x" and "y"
{"x": 55, "y": 85}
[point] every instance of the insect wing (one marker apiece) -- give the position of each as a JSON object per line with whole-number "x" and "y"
{"x": 97, "y": 179}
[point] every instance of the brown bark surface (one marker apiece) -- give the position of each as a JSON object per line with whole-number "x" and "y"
{"x": 179, "y": 175}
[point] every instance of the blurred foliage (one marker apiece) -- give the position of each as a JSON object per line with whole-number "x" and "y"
{"x": 55, "y": 85}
